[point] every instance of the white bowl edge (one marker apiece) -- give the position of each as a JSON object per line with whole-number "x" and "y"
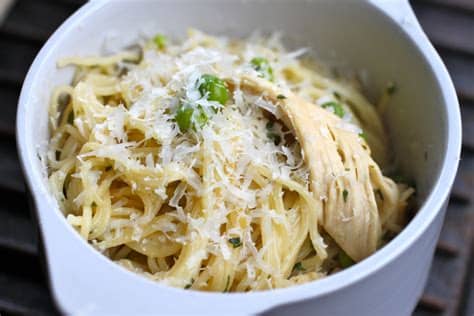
{"x": 263, "y": 300}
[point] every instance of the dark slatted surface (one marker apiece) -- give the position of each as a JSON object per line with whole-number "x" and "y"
{"x": 23, "y": 287}
{"x": 450, "y": 289}
{"x": 23, "y": 284}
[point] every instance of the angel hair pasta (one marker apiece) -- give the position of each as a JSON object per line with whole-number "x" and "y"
{"x": 222, "y": 165}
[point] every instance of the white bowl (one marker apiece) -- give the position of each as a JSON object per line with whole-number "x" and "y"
{"x": 382, "y": 37}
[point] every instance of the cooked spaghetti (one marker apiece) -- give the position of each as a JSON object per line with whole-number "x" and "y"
{"x": 222, "y": 165}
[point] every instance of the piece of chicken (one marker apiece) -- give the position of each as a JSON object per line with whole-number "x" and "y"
{"x": 343, "y": 175}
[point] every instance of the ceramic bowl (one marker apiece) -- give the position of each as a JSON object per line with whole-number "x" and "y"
{"x": 381, "y": 38}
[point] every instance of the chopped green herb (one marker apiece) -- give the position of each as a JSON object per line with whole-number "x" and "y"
{"x": 388, "y": 235}
{"x": 391, "y": 88}
{"x": 187, "y": 286}
{"x": 347, "y": 169}
{"x": 275, "y": 137}
{"x": 235, "y": 241}
{"x": 227, "y": 283}
{"x": 200, "y": 118}
{"x": 281, "y": 97}
{"x": 345, "y": 193}
{"x": 336, "y": 95}
{"x": 379, "y": 194}
{"x": 262, "y": 66}
{"x": 398, "y": 178}
{"x": 337, "y": 108}
{"x": 214, "y": 88}
{"x": 344, "y": 260}
{"x": 299, "y": 267}
{"x": 70, "y": 117}
{"x": 160, "y": 41}
{"x": 363, "y": 136}
{"x": 269, "y": 125}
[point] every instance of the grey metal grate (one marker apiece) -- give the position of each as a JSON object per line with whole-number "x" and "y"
{"x": 23, "y": 283}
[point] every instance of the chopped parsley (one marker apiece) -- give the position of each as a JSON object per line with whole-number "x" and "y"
{"x": 262, "y": 66}
{"x": 363, "y": 136}
{"x": 271, "y": 134}
{"x": 336, "y": 95}
{"x": 336, "y": 106}
{"x": 187, "y": 286}
{"x": 160, "y": 41}
{"x": 281, "y": 97}
{"x": 344, "y": 260}
{"x": 200, "y": 118}
{"x": 70, "y": 118}
{"x": 391, "y": 88}
{"x": 275, "y": 137}
{"x": 299, "y": 267}
{"x": 235, "y": 241}
{"x": 226, "y": 289}
{"x": 398, "y": 178}
{"x": 345, "y": 193}
{"x": 379, "y": 194}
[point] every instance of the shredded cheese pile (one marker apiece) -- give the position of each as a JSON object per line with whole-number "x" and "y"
{"x": 231, "y": 204}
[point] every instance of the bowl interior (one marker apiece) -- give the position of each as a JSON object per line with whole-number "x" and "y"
{"x": 354, "y": 34}
{"x": 377, "y": 50}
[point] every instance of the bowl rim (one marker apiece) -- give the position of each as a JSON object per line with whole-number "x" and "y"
{"x": 431, "y": 207}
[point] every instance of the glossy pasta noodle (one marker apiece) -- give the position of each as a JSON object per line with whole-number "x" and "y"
{"x": 222, "y": 165}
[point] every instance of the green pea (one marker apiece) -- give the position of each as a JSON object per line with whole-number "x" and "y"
{"x": 184, "y": 117}
{"x": 214, "y": 88}
{"x": 262, "y": 66}
{"x": 189, "y": 117}
{"x": 337, "y": 107}
{"x": 160, "y": 41}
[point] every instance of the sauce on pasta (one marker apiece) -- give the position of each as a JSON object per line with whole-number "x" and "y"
{"x": 222, "y": 165}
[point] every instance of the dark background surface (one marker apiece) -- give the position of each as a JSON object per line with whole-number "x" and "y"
{"x": 23, "y": 284}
